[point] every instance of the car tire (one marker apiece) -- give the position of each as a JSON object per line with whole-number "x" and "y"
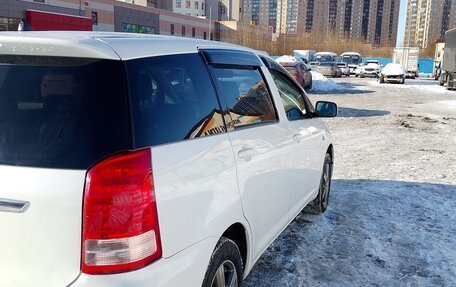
{"x": 225, "y": 265}
{"x": 320, "y": 203}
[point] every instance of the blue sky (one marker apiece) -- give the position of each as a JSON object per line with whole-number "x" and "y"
{"x": 401, "y": 25}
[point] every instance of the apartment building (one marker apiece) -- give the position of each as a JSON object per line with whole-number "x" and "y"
{"x": 428, "y": 20}
{"x": 195, "y": 8}
{"x": 223, "y": 10}
{"x": 372, "y": 21}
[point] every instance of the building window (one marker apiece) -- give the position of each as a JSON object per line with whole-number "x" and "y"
{"x": 193, "y": 32}
{"x": 205, "y": 35}
{"x": 187, "y": 4}
{"x": 183, "y": 31}
{"x": 212, "y": 36}
{"x": 196, "y": 5}
{"x": 178, "y": 4}
{"x": 202, "y": 5}
{"x": 171, "y": 28}
{"x": 94, "y": 18}
{"x": 41, "y": 1}
{"x": 9, "y": 24}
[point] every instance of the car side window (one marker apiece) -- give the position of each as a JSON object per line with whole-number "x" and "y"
{"x": 292, "y": 97}
{"x": 245, "y": 94}
{"x": 172, "y": 99}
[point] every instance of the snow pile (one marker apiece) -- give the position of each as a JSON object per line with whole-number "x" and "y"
{"x": 321, "y": 84}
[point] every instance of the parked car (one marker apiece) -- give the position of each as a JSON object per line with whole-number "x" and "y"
{"x": 298, "y": 69}
{"x": 123, "y": 165}
{"x": 392, "y": 73}
{"x": 367, "y": 62}
{"x": 329, "y": 69}
{"x": 369, "y": 70}
{"x": 344, "y": 68}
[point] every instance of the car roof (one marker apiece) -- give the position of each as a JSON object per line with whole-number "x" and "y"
{"x": 350, "y": 54}
{"x": 102, "y": 45}
{"x": 288, "y": 61}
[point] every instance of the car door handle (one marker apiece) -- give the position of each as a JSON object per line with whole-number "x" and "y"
{"x": 297, "y": 137}
{"x": 246, "y": 153}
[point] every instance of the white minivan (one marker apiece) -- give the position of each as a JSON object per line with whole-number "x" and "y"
{"x": 133, "y": 160}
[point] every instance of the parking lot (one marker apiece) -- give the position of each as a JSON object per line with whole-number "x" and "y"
{"x": 392, "y": 209}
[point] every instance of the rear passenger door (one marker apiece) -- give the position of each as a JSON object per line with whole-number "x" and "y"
{"x": 175, "y": 111}
{"x": 307, "y": 133}
{"x": 261, "y": 143}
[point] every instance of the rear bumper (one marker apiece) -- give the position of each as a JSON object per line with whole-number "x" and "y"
{"x": 326, "y": 73}
{"x": 369, "y": 74}
{"x": 393, "y": 78}
{"x": 186, "y": 268}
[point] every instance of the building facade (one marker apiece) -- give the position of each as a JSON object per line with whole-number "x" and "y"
{"x": 427, "y": 21}
{"x": 371, "y": 21}
{"x": 223, "y": 10}
{"x": 102, "y": 15}
{"x": 195, "y": 8}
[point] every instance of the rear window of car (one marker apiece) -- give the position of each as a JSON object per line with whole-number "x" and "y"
{"x": 60, "y": 112}
{"x": 327, "y": 64}
{"x": 172, "y": 99}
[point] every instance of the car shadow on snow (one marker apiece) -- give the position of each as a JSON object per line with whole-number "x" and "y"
{"x": 374, "y": 233}
{"x": 352, "y": 113}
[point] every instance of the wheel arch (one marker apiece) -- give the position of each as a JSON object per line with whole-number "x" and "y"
{"x": 330, "y": 150}
{"x": 239, "y": 234}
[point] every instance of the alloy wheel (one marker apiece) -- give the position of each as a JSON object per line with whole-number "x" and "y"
{"x": 225, "y": 276}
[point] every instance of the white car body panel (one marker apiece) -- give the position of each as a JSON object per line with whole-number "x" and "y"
{"x": 263, "y": 179}
{"x": 41, "y": 246}
{"x": 186, "y": 268}
{"x": 196, "y": 189}
{"x": 308, "y": 161}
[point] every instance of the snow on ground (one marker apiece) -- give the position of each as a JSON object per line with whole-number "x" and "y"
{"x": 391, "y": 217}
{"x": 428, "y": 85}
{"x": 321, "y": 84}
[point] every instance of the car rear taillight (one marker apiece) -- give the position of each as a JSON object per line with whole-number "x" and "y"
{"x": 120, "y": 221}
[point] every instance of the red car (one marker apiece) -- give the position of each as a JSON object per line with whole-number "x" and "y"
{"x": 298, "y": 69}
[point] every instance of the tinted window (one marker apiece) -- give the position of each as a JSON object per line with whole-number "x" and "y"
{"x": 61, "y": 112}
{"x": 292, "y": 98}
{"x": 172, "y": 99}
{"x": 246, "y": 96}
{"x": 327, "y": 64}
